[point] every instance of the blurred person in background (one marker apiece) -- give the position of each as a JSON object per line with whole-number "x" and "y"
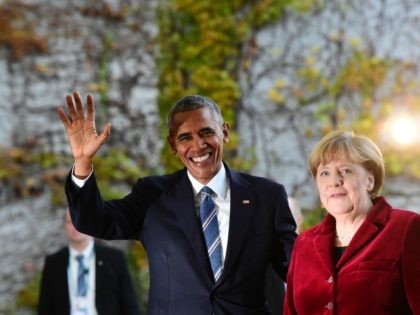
{"x": 363, "y": 258}
{"x": 274, "y": 285}
{"x": 85, "y": 278}
{"x": 296, "y": 212}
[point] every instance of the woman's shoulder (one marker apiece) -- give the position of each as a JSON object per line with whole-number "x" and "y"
{"x": 312, "y": 232}
{"x": 402, "y": 214}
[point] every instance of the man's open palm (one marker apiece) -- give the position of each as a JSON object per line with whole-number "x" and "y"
{"x": 81, "y": 131}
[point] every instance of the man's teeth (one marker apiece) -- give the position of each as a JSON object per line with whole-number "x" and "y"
{"x": 198, "y": 159}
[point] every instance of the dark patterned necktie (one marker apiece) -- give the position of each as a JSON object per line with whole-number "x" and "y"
{"x": 81, "y": 277}
{"x": 210, "y": 229}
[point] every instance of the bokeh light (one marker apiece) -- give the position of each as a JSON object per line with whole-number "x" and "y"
{"x": 403, "y": 129}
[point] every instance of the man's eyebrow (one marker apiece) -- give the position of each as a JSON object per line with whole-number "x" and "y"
{"x": 206, "y": 129}
{"x": 185, "y": 134}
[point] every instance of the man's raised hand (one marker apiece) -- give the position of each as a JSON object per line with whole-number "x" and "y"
{"x": 81, "y": 131}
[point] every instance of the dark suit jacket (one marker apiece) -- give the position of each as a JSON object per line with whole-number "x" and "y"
{"x": 160, "y": 212}
{"x": 378, "y": 273}
{"x": 114, "y": 291}
{"x": 274, "y": 291}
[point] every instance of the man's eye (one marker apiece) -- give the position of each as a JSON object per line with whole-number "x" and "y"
{"x": 183, "y": 139}
{"x": 208, "y": 133}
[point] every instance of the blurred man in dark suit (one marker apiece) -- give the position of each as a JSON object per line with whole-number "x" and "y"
{"x": 85, "y": 278}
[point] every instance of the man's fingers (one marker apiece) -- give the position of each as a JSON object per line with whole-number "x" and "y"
{"x": 90, "y": 108}
{"x": 63, "y": 117}
{"x": 79, "y": 105}
{"x": 105, "y": 133}
{"x": 70, "y": 106}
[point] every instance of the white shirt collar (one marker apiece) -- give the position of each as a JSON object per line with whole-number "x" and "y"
{"x": 87, "y": 252}
{"x": 219, "y": 183}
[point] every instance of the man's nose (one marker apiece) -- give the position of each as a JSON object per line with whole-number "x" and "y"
{"x": 199, "y": 143}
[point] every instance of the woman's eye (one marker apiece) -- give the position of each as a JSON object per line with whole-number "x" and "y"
{"x": 346, "y": 171}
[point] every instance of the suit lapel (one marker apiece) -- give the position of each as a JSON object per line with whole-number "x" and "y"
{"x": 101, "y": 277}
{"x": 241, "y": 207}
{"x": 100, "y": 263}
{"x": 365, "y": 233}
{"x": 62, "y": 280}
{"x": 182, "y": 201}
{"x": 373, "y": 224}
{"x": 324, "y": 242}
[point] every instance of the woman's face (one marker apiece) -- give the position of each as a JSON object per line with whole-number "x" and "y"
{"x": 344, "y": 187}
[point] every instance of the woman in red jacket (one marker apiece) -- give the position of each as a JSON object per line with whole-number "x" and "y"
{"x": 364, "y": 257}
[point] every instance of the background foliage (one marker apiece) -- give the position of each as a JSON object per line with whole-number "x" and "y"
{"x": 202, "y": 45}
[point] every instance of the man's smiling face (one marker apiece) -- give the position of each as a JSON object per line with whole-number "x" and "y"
{"x": 197, "y": 138}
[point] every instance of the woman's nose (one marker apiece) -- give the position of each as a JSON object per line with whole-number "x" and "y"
{"x": 336, "y": 180}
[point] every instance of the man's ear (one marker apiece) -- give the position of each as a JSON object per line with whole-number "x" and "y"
{"x": 225, "y": 129}
{"x": 171, "y": 143}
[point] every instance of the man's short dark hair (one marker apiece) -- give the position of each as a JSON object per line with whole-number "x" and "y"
{"x": 192, "y": 102}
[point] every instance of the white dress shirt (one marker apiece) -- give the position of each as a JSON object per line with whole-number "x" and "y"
{"x": 89, "y": 263}
{"x": 221, "y": 197}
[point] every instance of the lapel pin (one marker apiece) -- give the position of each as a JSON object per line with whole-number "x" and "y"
{"x": 245, "y": 202}
{"x": 100, "y": 263}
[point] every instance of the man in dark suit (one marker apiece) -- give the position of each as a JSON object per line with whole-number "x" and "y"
{"x": 107, "y": 287}
{"x": 208, "y": 230}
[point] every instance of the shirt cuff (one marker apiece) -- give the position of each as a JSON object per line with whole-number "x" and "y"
{"x": 77, "y": 181}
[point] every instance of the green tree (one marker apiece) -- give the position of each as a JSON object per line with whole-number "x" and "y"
{"x": 201, "y": 52}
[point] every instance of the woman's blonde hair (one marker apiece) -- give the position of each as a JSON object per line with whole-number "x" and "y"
{"x": 341, "y": 144}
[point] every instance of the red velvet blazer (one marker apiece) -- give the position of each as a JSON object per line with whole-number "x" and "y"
{"x": 378, "y": 273}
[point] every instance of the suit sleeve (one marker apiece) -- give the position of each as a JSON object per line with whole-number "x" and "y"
{"x": 114, "y": 219}
{"x": 411, "y": 265}
{"x": 289, "y": 305}
{"x": 285, "y": 234}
